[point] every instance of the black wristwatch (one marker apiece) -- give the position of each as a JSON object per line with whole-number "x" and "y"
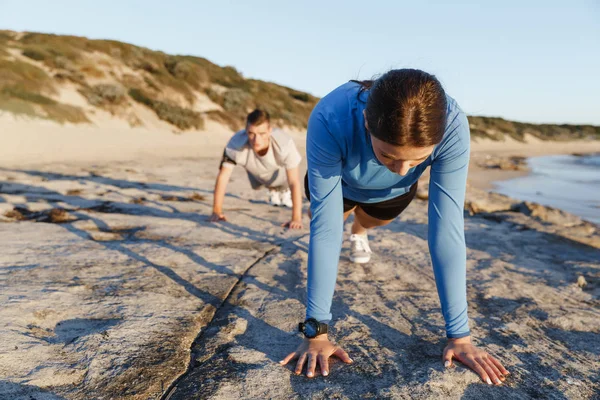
{"x": 312, "y": 328}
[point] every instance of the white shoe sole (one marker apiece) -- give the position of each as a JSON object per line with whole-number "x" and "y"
{"x": 360, "y": 260}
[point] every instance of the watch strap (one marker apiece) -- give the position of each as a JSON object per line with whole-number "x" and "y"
{"x": 322, "y": 327}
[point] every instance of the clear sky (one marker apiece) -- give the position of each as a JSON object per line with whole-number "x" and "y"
{"x": 536, "y": 61}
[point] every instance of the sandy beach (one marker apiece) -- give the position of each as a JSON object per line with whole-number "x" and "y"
{"x": 114, "y": 284}
{"x": 26, "y": 142}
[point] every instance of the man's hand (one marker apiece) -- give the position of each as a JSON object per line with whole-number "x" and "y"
{"x": 216, "y": 217}
{"x": 293, "y": 224}
{"x": 219, "y": 195}
{"x": 313, "y": 350}
{"x": 487, "y": 367}
{"x": 295, "y": 188}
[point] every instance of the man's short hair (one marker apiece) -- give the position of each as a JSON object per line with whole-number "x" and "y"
{"x": 258, "y": 117}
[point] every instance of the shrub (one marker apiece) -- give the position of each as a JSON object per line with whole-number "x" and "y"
{"x": 17, "y": 106}
{"x": 214, "y": 96}
{"x": 141, "y": 97}
{"x": 303, "y": 97}
{"x": 236, "y": 101}
{"x": 148, "y": 67}
{"x": 91, "y": 71}
{"x": 182, "y": 118}
{"x": 151, "y": 83}
{"x": 65, "y": 113}
{"x": 230, "y": 78}
{"x": 104, "y": 95}
{"x": 19, "y": 92}
{"x": 235, "y": 123}
{"x": 68, "y": 47}
{"x": 35, "y": 54}
{"x": 25, "y": 75}
{"x": 72, "y": 76}
{"x": 187, "y": 71}
{"x": 21, "y": 102}
{"x": 5, "y": 36}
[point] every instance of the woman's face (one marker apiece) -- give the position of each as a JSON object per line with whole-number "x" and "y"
{"x": 399, "y": 159}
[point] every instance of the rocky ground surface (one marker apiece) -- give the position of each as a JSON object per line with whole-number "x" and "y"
{"x": 114, "y": 285}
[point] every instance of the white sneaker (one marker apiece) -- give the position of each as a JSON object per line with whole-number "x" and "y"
{"x": 360, "y": 252}
{"x": 274, "y": 198}
{"x": 286, "y": 198}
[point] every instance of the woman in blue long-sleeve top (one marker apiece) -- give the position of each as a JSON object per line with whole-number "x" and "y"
{"x": 367, "y": 145}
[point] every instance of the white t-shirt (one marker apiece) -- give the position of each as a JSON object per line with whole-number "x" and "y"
{"x": 282, "y": 154}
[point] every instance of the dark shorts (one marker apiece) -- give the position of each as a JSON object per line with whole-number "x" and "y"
{"x": 385, "y": 210}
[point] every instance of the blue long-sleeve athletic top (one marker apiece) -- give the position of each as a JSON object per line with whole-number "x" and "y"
{"x": 341, "y": 163}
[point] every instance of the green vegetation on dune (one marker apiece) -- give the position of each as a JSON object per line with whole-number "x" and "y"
{"x": 177, "y": 75}
{"x": 495, "y": 128}
{"x": 22, "y": 74}
{"x": 3, "y": 47}
{"x": 104, "y": 95}
{"x": 170, "y": 86}
{"x": 21, "y": 102}
{"x": 25, "y": 90}
{"x": 173, "y": 114}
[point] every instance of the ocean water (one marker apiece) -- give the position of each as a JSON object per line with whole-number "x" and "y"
{"x": 571, "y": 183}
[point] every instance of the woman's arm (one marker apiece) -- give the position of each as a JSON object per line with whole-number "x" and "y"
{"x": 446, "y": 234}
{"x": 447, "y": 246}
{"x": 324, "y": 158}
{"x": 326, "y": 226}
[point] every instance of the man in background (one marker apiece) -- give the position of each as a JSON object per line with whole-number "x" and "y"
{"x": 271, "y": 160}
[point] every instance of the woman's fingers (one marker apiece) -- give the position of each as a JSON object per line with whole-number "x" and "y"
{"x": 313, "y": 353}
{"x": 324, "y": 364}
{"x": 288, "y": 358}
{"x": 499, "y": 365}
{"x": 474, "y": 365}
{"x": 488, "y": 370}
{"x": 342, "y": 355}
{"x": 447, "y": 358}
{"x": 312, "y": 363}
{"x": 300, "y": 363}
{"x": 495, "y": 369}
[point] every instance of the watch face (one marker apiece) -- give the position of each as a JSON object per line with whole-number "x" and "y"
{"x": 310, "y": 329}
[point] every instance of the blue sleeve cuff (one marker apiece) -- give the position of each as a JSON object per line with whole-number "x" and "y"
{"x": 321, "y": 317}
{"x": 458, "y": 335}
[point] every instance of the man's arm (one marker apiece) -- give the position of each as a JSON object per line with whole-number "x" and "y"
{"x": 219, "y": 194}
{"x": 294, "y": 182}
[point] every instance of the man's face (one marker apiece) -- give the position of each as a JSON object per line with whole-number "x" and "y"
{"x": 259, "y": 136}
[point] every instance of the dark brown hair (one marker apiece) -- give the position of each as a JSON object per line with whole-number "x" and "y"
{"x": 257, "y": 117}
{"x": 406, "y": 107}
